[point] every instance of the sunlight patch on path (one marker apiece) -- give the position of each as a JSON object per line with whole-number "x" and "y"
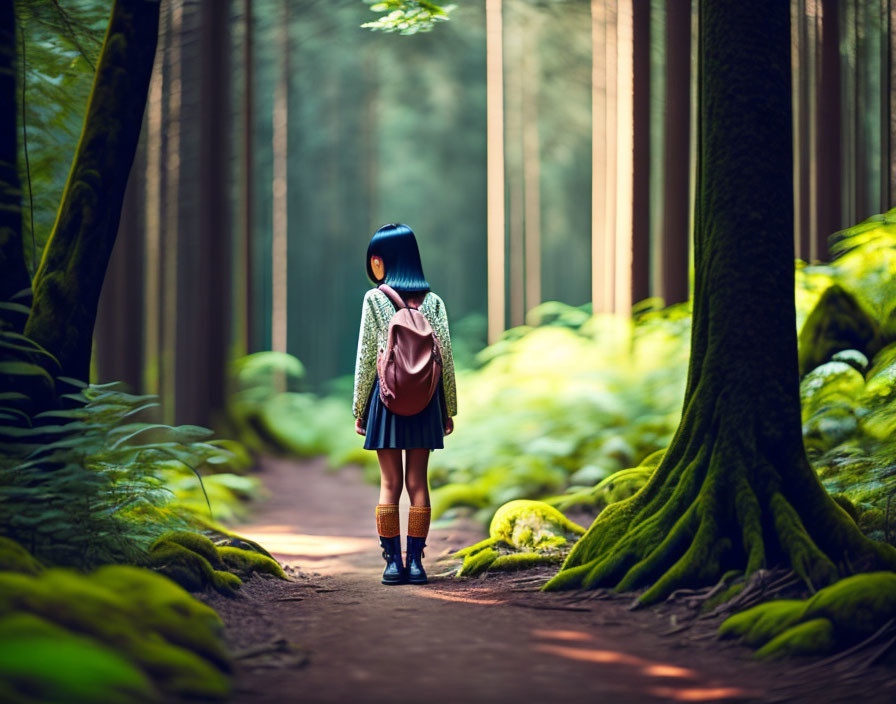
{"x": 602, "y": 656}
{"x": 284, "y": 542}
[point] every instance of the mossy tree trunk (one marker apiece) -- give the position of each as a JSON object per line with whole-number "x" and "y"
{"x": 734, "y": 490}
{"x": 13, "y": 274}
{"x": 70, "y": 276}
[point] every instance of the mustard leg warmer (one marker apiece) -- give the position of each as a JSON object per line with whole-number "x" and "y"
{"x": 418, "y": 521}
{"x": 387, "y": 524}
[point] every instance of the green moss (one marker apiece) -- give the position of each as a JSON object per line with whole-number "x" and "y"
{"x": 839, "y": 615}
{"x": 815, "y": 637}
{"x": 522, "y": 560}
{"x": 476, "y": 547}
{"x": 761, "y": 623}
{"x": 245, "y": 562}
{"x": 857, "y": 605}
{"x": 89, "y": 608}
{"x": 190, "y": 570}
{"x": 41, "y": 662}
{"x": 192, "y": 541}
{"x": 838, "y": 322}
{"x": 847, "y": 505}
{"x": 478, "y": 563}
{"x": 15, "y": 558}
{"x": 535, "y": 527}
{"x": 161, "y": 605}
{"x": 531, "y": 524}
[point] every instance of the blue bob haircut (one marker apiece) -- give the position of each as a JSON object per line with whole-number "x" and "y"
{"x": 396, "y": 245}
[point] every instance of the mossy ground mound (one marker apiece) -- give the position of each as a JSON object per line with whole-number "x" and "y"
{"x": 15, "y": 558}
{"x": 42, "y": 662}
{"x": 536, "y": 531}
{"x": 838, "y": 616}
{"x": 838, "y": 322}
{"x": 119, "y": 633}
{"x": 196, "y": 563}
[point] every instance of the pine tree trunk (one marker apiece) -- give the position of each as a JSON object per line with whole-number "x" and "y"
{"x": 734, "y": 489}
{"x": 13, "y": 274}
{"x": 70, "y": 275}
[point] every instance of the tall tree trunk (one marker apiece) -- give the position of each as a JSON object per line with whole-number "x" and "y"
{"x": 676, "y": 145}
{"x": 495, "y": 167}
{"x": 641, "y": 255}
{"x": 734, "y": 489}
{"x": 243, "y": 303}
{"x": 531, "y": 162}
{"x": 827, "y": 147}
{"x": 119, "y": 321}
{"x": 68, "y": 281}
{"x": 13, "y": 273}
{"x": 214, "y": 266}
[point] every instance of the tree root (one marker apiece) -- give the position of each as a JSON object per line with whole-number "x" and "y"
{"x": 676, "y": 533}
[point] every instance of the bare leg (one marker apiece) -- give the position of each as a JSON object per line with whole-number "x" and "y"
{"x": 416, "y": 480}
{"x": 390, "y": 476}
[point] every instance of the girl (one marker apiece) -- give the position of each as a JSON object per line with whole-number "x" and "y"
{"x": 394, "y": 259}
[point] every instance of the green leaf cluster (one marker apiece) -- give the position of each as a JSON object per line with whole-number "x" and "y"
{"x": 407, "y": 16}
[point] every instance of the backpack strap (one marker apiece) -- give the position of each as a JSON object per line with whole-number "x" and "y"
{"x": 397, "y": 300}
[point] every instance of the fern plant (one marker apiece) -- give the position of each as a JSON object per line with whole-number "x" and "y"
{"x": 85, "y": 484}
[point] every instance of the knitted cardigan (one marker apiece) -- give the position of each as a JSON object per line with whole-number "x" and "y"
{"x": 377, "y": 310}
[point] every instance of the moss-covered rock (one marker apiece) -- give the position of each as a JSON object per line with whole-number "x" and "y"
{"x": 15, "y": 558}
{"x": 537, "y": 529}
{"x": 191, "y": 570}
{"x": 192, "y": 541}
{"x": 838, "y": 322}
{"x": 42, "y": 662}
{"x": 838, "y": 616}
{"x": 245, "y": 562}
{"x": 532, "y": 524}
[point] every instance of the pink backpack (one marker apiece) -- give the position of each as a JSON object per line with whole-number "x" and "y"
{"x": 411, "y": 366}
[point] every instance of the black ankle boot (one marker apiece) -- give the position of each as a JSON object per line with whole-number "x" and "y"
{"x": 394, "y": 572}
{"x": 416, "y": 573}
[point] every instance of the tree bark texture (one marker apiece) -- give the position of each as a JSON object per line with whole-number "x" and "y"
{"x": 70, "y": 275}
{"x": 13, "y": 273}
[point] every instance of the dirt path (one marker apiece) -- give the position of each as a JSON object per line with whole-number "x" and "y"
{"x": 335, "y": 634}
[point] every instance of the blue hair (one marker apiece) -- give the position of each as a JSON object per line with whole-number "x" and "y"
{"x": 396, "y": 245}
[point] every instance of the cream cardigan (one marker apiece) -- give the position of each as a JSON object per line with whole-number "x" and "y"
{"x": 376, "y": 312}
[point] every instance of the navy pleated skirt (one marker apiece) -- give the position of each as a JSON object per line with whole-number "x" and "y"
{"x": 386, "y": 430}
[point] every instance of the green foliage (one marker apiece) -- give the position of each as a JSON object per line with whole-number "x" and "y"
{"x": 85, "y": 485}
{"x": 838, "y": 616}
{"x": 407, "y": 16}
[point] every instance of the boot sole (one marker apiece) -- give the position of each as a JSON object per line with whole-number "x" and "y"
{"x": 418, "y": 581}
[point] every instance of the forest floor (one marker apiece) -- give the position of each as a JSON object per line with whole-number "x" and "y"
{"x": 334, "y": 633}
